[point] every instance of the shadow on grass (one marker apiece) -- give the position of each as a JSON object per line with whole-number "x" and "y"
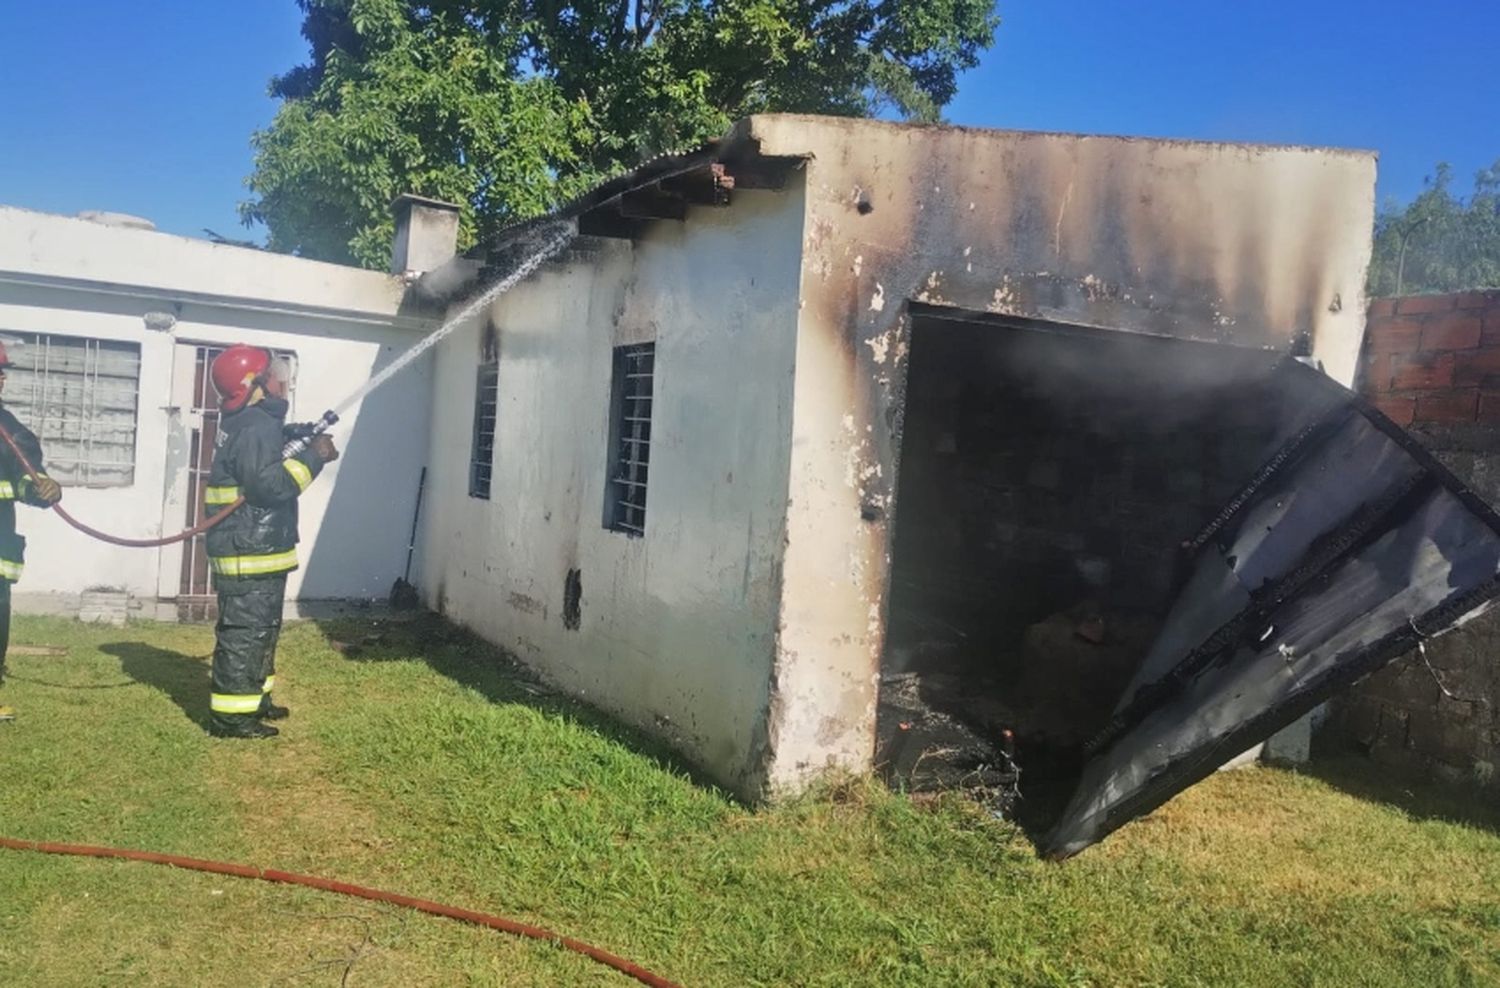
{"x": 1419, "y": 797}
{"x": 182, "y": 678}
{"x": 497, "y": 676}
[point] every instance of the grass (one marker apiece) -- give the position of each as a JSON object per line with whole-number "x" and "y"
{"x": 425, "y": 766}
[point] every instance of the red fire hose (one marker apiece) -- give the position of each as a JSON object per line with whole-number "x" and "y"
{"x": 198, "y": 529}
{"x": 286, "y": 877}
{"x": 519, "y": 929}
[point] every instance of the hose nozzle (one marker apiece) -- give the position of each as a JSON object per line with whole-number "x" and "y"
{"x": 307, "y": 435}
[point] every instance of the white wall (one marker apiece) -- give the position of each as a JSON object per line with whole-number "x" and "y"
{"x": 70, "y": 277}
{"x": 678, "y": 627}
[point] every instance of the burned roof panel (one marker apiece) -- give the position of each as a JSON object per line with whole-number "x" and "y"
{"x": 1353, "y": 547}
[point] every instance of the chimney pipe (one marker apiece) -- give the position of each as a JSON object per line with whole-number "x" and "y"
{"x": 426, "y": 234}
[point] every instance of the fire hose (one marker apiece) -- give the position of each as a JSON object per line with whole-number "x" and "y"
{"x": 292, "y": 448}
{"x": 494, "y": 922}
{"x": 626, "y": 967}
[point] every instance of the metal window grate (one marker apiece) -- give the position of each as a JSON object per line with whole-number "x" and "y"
{"x": 486, "y": 412}
{"x": 80, "y": 397}
{"x": 631, "y": 394}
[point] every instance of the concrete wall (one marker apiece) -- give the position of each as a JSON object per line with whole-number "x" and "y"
{"x": 1252, "y": 246}
{"x": 676, "y": 630}
{"x": 1432, "y": 363}
{"x": 71, "y": 277}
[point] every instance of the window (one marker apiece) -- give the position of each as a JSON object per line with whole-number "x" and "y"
{"x": 486, "y": 410}
{"x": 79, "y": 396}
{"x": 630, "y": 438}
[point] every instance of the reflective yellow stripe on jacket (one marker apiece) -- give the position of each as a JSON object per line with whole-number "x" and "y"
{"x": 234, "y": 703}
{"x": 270, "y": 684}
{"x": 300, "y": 473}
{"x": 9, "y": 491}
{"x": 276, "y": 562}
{"x": 221, "y": 495}
{"x": 11, "y": 570}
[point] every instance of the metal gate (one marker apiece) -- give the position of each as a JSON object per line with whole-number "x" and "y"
{"x": 194, "y": 587}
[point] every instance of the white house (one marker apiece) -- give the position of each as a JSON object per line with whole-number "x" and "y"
{"x": 116, "y": 323}
{"x": 682, "y": 504}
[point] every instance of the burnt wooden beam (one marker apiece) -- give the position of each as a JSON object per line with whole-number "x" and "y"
{"x": 653, "y": 203}
{"x": 709, "y": 186}
{"x": 760, "y": 173}
{"x": 608, "y": 223}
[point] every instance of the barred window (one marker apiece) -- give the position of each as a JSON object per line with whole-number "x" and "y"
{"x": 631, "y": 393}
{"x": 80, "y": 397}
{"x": 486, "y": 411}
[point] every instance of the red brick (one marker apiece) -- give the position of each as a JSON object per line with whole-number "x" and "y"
{"x": 1459, "y": 406}
{"x": 1416, "y": 305}
{"x": 1399, "y": 410}
{"x": 1380, "y": 308}
{"x": 1473, "y": 367}
{"x": 1454, "y": 331}
{"x": 1393, "y": 336}
{"x": 1478, "y": 300}
{"x": 1375, "y": 375}
{"x": 1491, "y": 328}
{"x": 1489, "y": 407}
{"x": 1422, "y": 370}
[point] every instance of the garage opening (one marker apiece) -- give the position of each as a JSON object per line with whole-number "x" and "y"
{"x": 1049, "y": 478}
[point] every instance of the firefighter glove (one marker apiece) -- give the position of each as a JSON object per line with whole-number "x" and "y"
{"x": 48, "y": 490}
{"x": 323, "y": 446}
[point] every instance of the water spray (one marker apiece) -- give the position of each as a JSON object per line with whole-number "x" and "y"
{"x": 549, "y": 238}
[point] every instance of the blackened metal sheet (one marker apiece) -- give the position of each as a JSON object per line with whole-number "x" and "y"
{"x": 1346, "y": 556}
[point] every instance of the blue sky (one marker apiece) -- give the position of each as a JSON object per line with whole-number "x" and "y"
{"x": 147, "y": 108}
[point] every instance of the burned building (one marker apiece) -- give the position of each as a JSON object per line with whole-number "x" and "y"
{"x": 830, "y": 404}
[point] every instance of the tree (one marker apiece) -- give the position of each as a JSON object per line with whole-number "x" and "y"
{"x": 1439, "y": 242}
{"x": 509, "y": 107}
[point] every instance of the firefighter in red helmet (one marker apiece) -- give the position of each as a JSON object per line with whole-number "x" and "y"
{"x": 251, "y": 552}
{"x": 16, "y": 485}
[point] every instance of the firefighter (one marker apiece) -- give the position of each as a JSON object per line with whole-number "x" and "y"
{"x": 251, "y": 552}
{"x": 16, "y": 485}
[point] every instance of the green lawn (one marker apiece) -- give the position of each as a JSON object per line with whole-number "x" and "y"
{"x": 423, "y": 766}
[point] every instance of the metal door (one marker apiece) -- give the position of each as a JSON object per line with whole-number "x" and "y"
{"x": 1348, "y": 548}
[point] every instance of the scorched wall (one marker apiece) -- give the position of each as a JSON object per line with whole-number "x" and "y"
{"x": 1251, "y": 246}
{"x": 675, "y": 630}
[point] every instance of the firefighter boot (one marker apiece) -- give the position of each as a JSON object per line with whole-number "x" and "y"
{"x": 246, "y": 728}
{"x": 270, "y": 711}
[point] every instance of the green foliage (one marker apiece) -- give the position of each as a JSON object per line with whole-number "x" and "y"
{"x": 511, "y": 106}
{"x": 1440, "y": 242}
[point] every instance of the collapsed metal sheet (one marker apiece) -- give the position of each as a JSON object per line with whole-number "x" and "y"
{"x": 1349, "y": 548}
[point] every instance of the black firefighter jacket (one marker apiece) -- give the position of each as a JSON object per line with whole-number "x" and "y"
{"x": 260, "y": 538}
{"x": 15, "y": 486}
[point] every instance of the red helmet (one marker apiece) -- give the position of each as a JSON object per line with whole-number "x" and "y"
{"x": 235, "y": 372}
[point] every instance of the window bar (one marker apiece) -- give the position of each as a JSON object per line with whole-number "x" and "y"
{"x": 46, "y": 382}
{"x": 91, "y": 396}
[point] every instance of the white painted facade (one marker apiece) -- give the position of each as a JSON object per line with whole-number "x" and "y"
{"x": 746, "y": 627}
{"x": 169, "y": 295}
{"x": 718, "y": 295}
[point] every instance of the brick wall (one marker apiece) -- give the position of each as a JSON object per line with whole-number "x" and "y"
{"x": 1432, "y": 363}
{"x": 1434, "y": 359}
